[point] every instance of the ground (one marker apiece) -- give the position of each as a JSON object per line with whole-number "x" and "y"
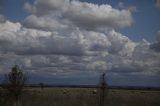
{"x": 84, "y": 97}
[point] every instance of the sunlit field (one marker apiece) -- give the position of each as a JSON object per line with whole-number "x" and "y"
{"x": 83, "y": 97}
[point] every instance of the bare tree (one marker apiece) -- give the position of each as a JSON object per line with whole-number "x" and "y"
{"x": 103, "y": 87}
{"x": 14, "y": 83}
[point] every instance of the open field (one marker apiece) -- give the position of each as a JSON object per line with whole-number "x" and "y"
{"x": 83, "y": 97}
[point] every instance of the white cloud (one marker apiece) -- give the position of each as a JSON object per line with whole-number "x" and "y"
{"x": 97, "y": 16}
{"x": 10, "y": 27}
{"x": 81, "y": 14}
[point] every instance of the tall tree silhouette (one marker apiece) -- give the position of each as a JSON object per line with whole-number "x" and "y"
{"x": 14, "y": 83}
{"x": 103, "y": 87}
{"x": 41, "y": 85}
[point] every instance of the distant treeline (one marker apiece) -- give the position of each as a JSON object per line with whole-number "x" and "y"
{"x": 95, "y": 86}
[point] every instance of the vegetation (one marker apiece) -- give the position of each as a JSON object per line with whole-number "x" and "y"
{"x": 15, "y": 93}
{"x": 85, "y": 97}
{"x": 14, "y": 83}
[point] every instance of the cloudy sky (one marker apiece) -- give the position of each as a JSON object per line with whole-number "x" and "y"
{"x": 74, "y": 41}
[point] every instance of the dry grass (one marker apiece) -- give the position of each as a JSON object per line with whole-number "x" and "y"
{"x": 84, "y": 97}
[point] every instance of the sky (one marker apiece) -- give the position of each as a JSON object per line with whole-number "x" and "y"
{"x": 75, "y": 41}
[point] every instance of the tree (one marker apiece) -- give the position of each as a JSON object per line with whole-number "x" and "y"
{"x": 103, "y": 87}
{"x": 41, "y": 85}
{"x": 14, "y": 83}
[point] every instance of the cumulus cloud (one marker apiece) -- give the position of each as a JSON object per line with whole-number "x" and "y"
{"x": 20, "y": 41}
{"x": 145, "y": 58}
{"x": 121, "y": 44}
{"x": 76, "y": 13}
{"x": 45, "y": 23}
{"x": 97, "y": 16}
{"x": 69, "y": 38}
{"x": 30, "y": 41}
{"x": 78, "y": 42}
{"x": 75, "y": 52}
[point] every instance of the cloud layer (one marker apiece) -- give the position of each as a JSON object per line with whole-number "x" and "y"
{"x": 68, "y": 38}
{"x": 81, "y": 51}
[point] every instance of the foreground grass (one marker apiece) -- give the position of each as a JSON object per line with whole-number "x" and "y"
{"x": 84, "y": 97}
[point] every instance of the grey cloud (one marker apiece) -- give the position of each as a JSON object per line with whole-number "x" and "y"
{"x": 145, "y": 58}
{"x": 2, "y": 18}
{"x": 158, "y": 3}
{"x": 121, "y": 5}
{"x": 120, "y": 44}
{"x": 42, "y": 7}
{"x": 45, "y": 23}
{"x": 78, "y": 50}
{"x": 156, "y": 46}
{"x": 78, "y": 42}
{"x": 142, "y": 60}
{"x": 30, "y": 41}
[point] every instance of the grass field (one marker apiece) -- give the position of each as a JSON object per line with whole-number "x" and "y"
{"x": 83, "y": 97}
